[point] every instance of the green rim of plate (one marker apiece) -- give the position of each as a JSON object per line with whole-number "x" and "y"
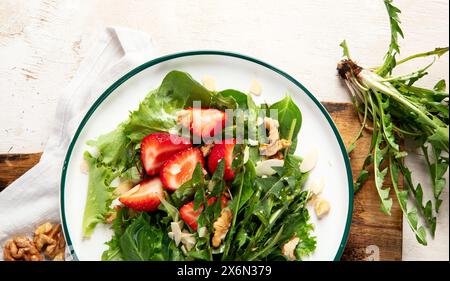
{"x": 156, "y": 61}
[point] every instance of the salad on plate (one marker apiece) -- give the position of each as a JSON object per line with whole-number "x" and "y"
{"x": 200, "y": 174}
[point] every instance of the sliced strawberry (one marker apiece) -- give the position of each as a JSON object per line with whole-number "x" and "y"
{"x": 157, "y": 148}
{"x": 145, "y": 196}
{"x": 179, "y": 168}
{"x": 220, "y": 151}
{"x": 190, "y": 217}
{"x": 205, "y": 122}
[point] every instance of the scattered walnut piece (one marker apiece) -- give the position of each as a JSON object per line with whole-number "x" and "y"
{"x": 289, "y": 247}
{"x": 275, "y": 143}
{"x": 50, "y": 239}
{"x": 206, "y": 149}
{"x": 321, "y": 207}
{"x": 221, "y": 226}
{"x": 21, "y": 248}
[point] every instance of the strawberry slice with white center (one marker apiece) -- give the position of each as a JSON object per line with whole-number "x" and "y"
{"x": 180, "y": 167}
{"x": 190, "y": 217}
{"x": 157, "y": 148}
{"x": 145, "y": 196}
{"x": 205, "y": 122}
{"x": 219, "y": 152}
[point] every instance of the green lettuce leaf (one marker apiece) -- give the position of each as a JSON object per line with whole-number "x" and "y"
{"x": 99, "y": 195}
{"x": 155, "y": 114}
{"x": 114, "y": 148}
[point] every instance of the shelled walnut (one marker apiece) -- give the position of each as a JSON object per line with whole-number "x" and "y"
{"x": 21, "y": 248}
{"x": 221, "y": 226}
{"x": 49, "y": 239}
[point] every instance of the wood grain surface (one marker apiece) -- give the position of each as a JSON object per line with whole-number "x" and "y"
{"x": 13, "y": 166}
{"x": 373, "y": 235}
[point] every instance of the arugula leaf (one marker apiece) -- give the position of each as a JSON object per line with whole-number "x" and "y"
{"x": 269, "y": 247}
{"x": 386, "y": 122}
{"x": 437, "y": 170}
{"x": 113, "y": 253}
{"x": 378, "y": 156}
{"x": 235, "y": 209}
{"x": 345, "y": 51}
{"x": 247, "y": 188}
{"x": 361, "y": 180}
{"x": 402, "y": 197}
{"x": 361, "y": 129}
{"x": 297, "y": 225}
{"x": 427, "y": 210}
{"x": 167, "y": 207}
{"x": 440, "y": 85}
{"x": 119, "y": 225}
{"x": 99, "y": 194}
{"x": 394, "y": 21}
{"x": 141, "y": 241}
{"x": 186, "y": 191}
{"x": 211, "y": 211}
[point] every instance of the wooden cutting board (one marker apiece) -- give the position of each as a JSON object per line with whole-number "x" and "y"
{"x": 373, "y": 235}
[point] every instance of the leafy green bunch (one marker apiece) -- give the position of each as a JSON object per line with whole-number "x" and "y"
{"x": 394, "y": 109}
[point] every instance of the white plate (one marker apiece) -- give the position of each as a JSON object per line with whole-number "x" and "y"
{"x": 229, "y": 71}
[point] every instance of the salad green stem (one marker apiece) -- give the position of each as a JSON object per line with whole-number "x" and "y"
{"x": 372, "y": 80}
{"x": 291, "y": 134}
{"x": 438, "y": 52}
{"x": 233, "y": 222}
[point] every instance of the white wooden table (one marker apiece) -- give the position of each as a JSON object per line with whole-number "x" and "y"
{"x": 43, "y": 41}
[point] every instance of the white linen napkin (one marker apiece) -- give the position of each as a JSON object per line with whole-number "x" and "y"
{"x": 34, "y": 198}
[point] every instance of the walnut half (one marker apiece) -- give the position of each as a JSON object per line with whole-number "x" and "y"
{"x": 49, "y": 238}
{"x": 275, "y": 143}
{"x": 221, "y": 226}
{"x": 21, "y": 248}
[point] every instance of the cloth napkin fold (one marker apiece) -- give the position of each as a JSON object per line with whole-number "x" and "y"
{"x": 34, "y": 198}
